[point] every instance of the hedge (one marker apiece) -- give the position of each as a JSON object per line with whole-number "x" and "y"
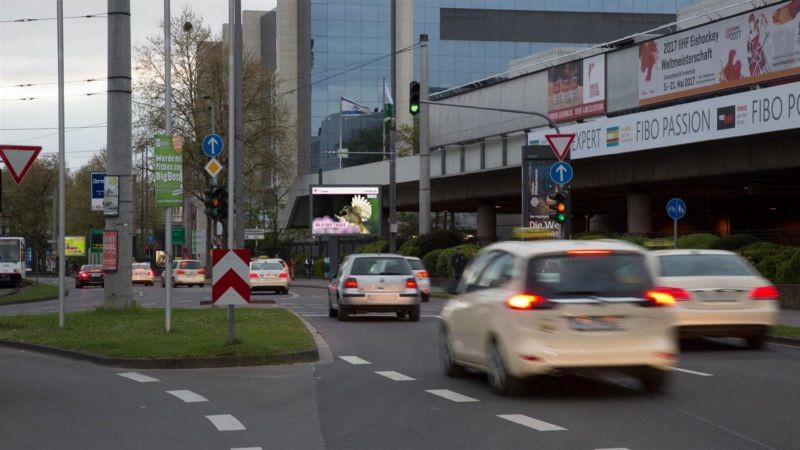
{"x": 429, "y": 260}
{"x": 380, "y": 246}
{"x": 698, "y": 240}
{"x": 734, "y": 242}
{"x": 439, "y": 239}
{"x": 443, "y": 267}
{"x": 411, "y": 248}
{"x": 789, "y": 271}
{"x": 757, "y": 252}
{"x": 590, "y": 235}
{"x": 771, "y": 264}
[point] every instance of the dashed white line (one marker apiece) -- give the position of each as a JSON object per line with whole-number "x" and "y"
{"x": 226, "y": 422}
{"x": 136, "y": 376}
{"x": 702, "y": 374}
{"x": 530, "y": 422}
{"x": 452, "y": 396}
{"x": 431, "y": 315}
{"x": 247, "y": 448}
{"x": 355, "y": 360}
{"x": 619, "y": 448}
{"x": 188, "y": 396}
{"x": 396, "y": 376}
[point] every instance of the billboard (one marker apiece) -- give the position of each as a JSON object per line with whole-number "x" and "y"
{"x": 345, "y": 210}
{"x": 74, "y": 246}
{"x": 576, "y": 89}
{"x": 97, "y": 191}
{"x": 111, "y": 196}
{"x": 536, "y": 185}
{"x": 760, "y": 45}
{"x": 110, "y": 250}
{"x": 96, "y": 240}
{"x": 168, "y": 172}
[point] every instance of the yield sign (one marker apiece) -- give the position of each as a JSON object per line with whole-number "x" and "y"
{"x": 19, "y": 159}
{"x": 230, "y": 280}
{"x": 560, "y": 143}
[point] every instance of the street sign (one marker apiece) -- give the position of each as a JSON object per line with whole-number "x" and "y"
{"x": 97, "y": 190}
{"x": 151, "y": 238}
{"x": 253, "y": 234}
{"x": 676, "y": 208}
{"x": 342, "y": 153}
{"x": 178, "y": 235}
{"x": 213, "y": 167}
{"x": 560, "y": 143}
{"x": 213, "y": 145}
{"x": 231, "y": 272}
{"x": 561, "y": 172}
{"x": 19, "y": 159}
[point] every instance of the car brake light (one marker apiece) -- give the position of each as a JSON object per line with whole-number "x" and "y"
{"x": 764, "y": 293}
{"x": 524, "y": 301}
{"x": 411, "y": 283}
{"x": 424, "y": 274}
{"x": 656, "y": 297}
{"x": 84, "y": 275}
{"x": 350, "y": 283}
{"x": 588, "y": 252}
{"x": 150, "y": 273}
{"x": 677, "y": 293}
{"x": 253, "y": 275}
{"x": 180, "y": 272}
{"x": 201, "y": 271}
{"x": 283, "y": 275}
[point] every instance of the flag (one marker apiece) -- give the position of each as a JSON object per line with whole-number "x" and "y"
{"x": 351, "y": 108}
{"x": 388, "y": 102}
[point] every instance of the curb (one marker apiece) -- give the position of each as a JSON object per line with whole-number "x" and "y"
{"x": 784, "y": 340}
{"x": 324, "y": 350}
{"x": 309, "y": 285}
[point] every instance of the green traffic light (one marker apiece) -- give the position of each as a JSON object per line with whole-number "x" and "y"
{"x": 561, "y": 217}
{"x": 414, "y": 108}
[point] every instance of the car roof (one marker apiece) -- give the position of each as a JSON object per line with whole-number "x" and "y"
{"x": 532, "y": 248}
{"x": 413, "y": 257}
{"x": 273, "y": 260}
{"x": 383, "y": 255}
{"x": 688, "y": 251}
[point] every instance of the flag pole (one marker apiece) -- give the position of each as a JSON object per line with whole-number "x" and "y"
{"x": 383, "y": 127}
{"x": 339, "y": 153}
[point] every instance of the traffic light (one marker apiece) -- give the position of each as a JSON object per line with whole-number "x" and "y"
{"x": 558, "y": 206}
{"x": 413, "y": 104}
{"x": 218, "y": 203}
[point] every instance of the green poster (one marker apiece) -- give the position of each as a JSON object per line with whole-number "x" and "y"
{"x": 96, "y": 240}
{"x": 168, "y": 172}
{"x": 178, "y": 235}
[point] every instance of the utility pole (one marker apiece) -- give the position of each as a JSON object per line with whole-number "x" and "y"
{"x": 118, "y": 292}
{"x": 62, "y": 167}
{"x": 233, "y": 11}
{"x": 424, "y": 141}
{"x": 238, "y": 202}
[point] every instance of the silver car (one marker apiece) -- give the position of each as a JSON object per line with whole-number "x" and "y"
{"x": 374, "y": 282}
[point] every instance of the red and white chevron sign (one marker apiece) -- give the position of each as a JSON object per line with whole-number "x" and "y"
{"x": 229, "y": 283}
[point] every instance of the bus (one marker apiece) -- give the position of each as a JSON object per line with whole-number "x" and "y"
{"x": 12, "y": 260}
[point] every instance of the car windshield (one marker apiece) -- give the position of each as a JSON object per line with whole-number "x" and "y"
{"x": 416, "y": 264}
{"x": 703, "y": 265}
{"x": 380, "y": 266}
{"x": 264, "y": 265}
{"x": 189, "y": 265}
{"x": 602, "y": 275}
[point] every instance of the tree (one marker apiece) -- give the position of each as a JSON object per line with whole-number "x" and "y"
{"x": 407, "y": 137}
{"x": 367, "y": 140}
{"x": 79, "y": 217}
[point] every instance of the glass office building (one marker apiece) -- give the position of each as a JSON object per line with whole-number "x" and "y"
{"x": 469, "y": 40}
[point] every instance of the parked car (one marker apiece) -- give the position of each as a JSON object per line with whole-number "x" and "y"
{"x": 269, "y": 275}
{"x": 719, "y": 294}
{"x": 528, "y": 308}
{"x": 423, "y": 277}
{"x": 374, "y": 282}
{"x": 141, "y": 273}
{"x": 90, "y": 275}
{"x": 188, "y": 272}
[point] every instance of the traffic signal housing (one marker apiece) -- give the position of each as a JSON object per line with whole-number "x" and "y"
{"x": 218, "y": 203}
{"x": 413, "y": 103}
{"x": 558, "y": 205}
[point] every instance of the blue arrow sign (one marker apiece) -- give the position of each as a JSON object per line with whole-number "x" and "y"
{"x": 561, "y": 172}
{"x": 213, "y": 145}
{"x": 676, "y": 208}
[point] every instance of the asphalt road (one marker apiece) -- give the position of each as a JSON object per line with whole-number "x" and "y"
{"x": 384, "y": 390}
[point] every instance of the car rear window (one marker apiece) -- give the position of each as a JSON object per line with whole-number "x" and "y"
{"x": 90, "y": 267}
{"x": 190, "y": 265}
{"x": 416, "y": 264}
{"x": 263, "y": 265}
{"x": 380, "y": 266}
{"x": 141, "y": 266}
{"x": 703, "y": 265}
{"x": 603, "y": 275}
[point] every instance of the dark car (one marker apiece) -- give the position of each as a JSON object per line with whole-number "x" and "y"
{"x": 90, "y": 275}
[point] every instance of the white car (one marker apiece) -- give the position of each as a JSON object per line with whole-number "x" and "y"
{"x": 269, "y": 275}
{"x": 187, "y": 272}
{"x": 423, "y": 277}
{"x": 719, "y": 294}
{"x": 528, "y": 308}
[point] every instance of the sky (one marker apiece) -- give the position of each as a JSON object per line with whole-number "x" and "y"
{"x": 29, "y": 55}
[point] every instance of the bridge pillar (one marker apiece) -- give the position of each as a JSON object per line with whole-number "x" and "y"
{"x": 640, "y": 218}
{"x": 487, "y": 223}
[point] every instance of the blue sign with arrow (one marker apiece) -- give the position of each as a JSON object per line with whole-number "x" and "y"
{"x": 561, "y": 172}
{"x": 213, "y": 145}
{"x": 676, "y": 208}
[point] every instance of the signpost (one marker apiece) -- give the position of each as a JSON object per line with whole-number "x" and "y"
{"x": 254, "y": 234}
{"x": 213, "y": 168}
{"x": 561, "y": 172}
{"x": 676, "y": 209}
{"x": 19, "y": 159}
{"x": 229, "y": 282}
{"x": 560, "y": 143}
{"x": 213, "y": 145}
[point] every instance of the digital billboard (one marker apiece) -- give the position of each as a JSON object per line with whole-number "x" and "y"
{"x": 345, "y": 210}
{"x": 74, "y": 246}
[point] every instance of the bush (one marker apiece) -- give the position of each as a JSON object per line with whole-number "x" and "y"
{"x": 318, "y": 269}
{"x": 789, "y": 271}
{"x": 381, "y": 246}
{"x": 698, "y": 240}
{"x": 589, "y": 235}
{"x": 429, "y": 260}
{"x": 772, "y": 264}
{"x": 411, "y": 248}
{"x": 734, "y": 242}
{"x": 439, "y": 239}
{"x": 443, "y": 267}
{"x": 758, "y": 252}
{"x": 633, "y": 239}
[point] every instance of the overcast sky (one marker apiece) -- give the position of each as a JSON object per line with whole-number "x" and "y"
{"x": 29, "y": 54}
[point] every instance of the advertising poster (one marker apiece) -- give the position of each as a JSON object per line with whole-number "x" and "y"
{"x": 536, "y": 186}
{"x": 98, "y": 192}
{"x": 110, "y": 250}
{"x": 74, "y": 246}
{"x": 96, "y": 240}
{"x": 167, "y": 173}
{"x": 345, "y": 210}
{"x": 111, "y": 196}
{"x": 760, "y": 45}
{"x": 576, "y": 89}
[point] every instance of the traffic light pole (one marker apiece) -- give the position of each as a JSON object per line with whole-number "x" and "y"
{"x": 167, "y": 274}
{"x": 424, "y": 141}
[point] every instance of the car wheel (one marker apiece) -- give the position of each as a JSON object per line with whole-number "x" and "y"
{"x": 413, "y": 313}
{"x": 451, "y": 368}
{"x": 401, "y": 314}
{"x": 654, "y": 380}
{"x": 756, "y": 341}
{"x": 500, "y": 380}
{"x": 425, "y": 297}
{"x": 343, "y": 314}
{"x": 78, "y": 286}
{"x": 331, "y": 312}
{"x": 174, "y": 285}
{"x": 202, "y": 285}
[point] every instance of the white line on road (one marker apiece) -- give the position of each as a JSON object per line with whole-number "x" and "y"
{"x": 247, "y": 448}
{"x": 354, "y": 360}
{"x": 530, "y": 422}
{"x": 431, "y": 315}
{"x": 452, "y": 396}
{"x": 396, "y": 376}
{"x": 615, "y": 448}
{"x": 188, "y": 396}
{"x": 702, "y": 374}
{"x": 136, "y": 376}
{"x": 314, "y": 315}
{"x": 226, "y": 422}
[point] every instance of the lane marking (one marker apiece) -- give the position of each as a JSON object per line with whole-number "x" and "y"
{"x": 247, "y": 448}
{"x": 396, "y": 376}
{"x": 452, "y": 396}
{"x": 354, "y": 360}
{"x": 615, "y": 448}
{"x": 314, "y": 315}
{"x": 188, "y": 396}
{"x": 530, "y": 422}
{"x": 430, "y": 315}
{"x": 702, "y": 374}
{"x": 226, "y": 422}
{"x": 136, "y": 376}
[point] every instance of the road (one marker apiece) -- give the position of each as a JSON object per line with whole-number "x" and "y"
{"x": 384, "y": 390}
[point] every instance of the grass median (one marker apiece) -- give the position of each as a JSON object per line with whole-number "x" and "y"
{"x": 139, "y": 333}
{"x": 33, "y": 292}
{"x": 786, "y": 331}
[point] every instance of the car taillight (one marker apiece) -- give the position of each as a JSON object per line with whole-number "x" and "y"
{"x": 253, "y": 275}
{"x": 283, "y": 275}
{"x": 150, "y": 273}
{"x": 350, "y": 283}
{"x": 525, "y": 301}
{"x": 659, "y": 297}
{"x": 411, "y": 283}
{"x": 588, "y": 252}
{"x": 180, "y": 272}
{"x": 423, "y": 274}
{"x": 201, "y": 271}
{"x": 84, "y": 275}
{"x": 764, "y": 293}
{"x": 677, "y": 293}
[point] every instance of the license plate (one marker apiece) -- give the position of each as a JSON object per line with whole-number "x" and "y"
{"x": 382, "y": 297}
{"x": 585, "y": 323}
{"x": 96, "y": 275}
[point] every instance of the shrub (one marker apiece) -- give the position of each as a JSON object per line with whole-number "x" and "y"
{"x": 439, "y": 239}
{"x": 318, "y": 270}
{"x": 429, "y": 260}
{"x": 698, "y": 240}
{"x": 734, "y": 242}
{"x": 633, "y": 239}
{"x": 380, "y": 246}
{"x": 589, "y": 235}
{"x": 410, "y": 248}
{"x": 443, "y": 266}
{"x": 789, "y": 270}
{"x": 757, "y": 252}
{"x": 771, "y": 265}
